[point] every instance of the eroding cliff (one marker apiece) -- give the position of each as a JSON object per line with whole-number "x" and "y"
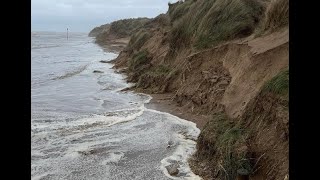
{"x": 227, "y": 59}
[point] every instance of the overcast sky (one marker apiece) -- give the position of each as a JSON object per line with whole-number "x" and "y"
{"x": 83, "y": 15}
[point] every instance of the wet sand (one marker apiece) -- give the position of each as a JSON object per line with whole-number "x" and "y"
{"x": 160, "y": 102}
{"x": 164, "y": 103}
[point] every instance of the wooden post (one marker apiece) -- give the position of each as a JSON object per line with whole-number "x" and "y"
{"x": 67, "y": 34}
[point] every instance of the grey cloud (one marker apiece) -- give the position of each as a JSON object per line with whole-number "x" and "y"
{"x": 83, "y": 15}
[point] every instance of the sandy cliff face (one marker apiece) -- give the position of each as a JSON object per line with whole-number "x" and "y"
{"x": 228, "y": 79}
{"x": 263, "y": 117}
{"x": 251, "y": 64}
{"x": 235, "y": 78}
{"x": 229, "y": 75}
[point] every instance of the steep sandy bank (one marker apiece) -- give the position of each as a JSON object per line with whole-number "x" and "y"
{"x": 223, "y": 65}
{"x": 222, "y": 79}
{"x": 227, "y": 76}
{"x": 225, "y": 79}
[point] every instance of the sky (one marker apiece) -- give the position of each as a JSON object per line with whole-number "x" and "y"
{"x": 84, "y": 15}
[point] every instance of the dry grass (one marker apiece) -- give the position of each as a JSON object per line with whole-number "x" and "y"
{"x": 205, "y": 23}
{"x": 138, "y": 39}
{"x": 156, "y": 78}
{"x": 120, "y": 29}
{"x": 179, "y": 10}
{"x": 277, "y": 14}
{"x": 219, "y": 144}
{"x": 127, "y": 27}
{"x": 279, "y": 84}
{"x": 138, "y": 59}
{"x": 97, "y": 30}
{"x": 228, "y": 19}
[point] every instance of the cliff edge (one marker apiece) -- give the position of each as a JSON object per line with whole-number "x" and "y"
{"x": 227, "y": 59}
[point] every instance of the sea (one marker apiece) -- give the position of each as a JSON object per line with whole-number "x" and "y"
{"x": 83, "y": 127}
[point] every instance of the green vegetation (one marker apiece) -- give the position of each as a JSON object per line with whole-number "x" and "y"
{"x": 180, "y": 36}
{"x": 161, "y": 69}
{"x": 157, "y": 78}
{"x": 194, "y": 25}
{"x": 102, "y": 37}
{"x": 277, "y": 14}
{"x": 226, "y": 139}
{"x": 151, "y": 78}
{"x": 208, "y": 22}
{"x": 118, "y": 29}
{"x": 228, "y": 19}
{"x": 97, "y": 30}
{"x": 138, "y": 39}
{"x": 180, "y": 9}
{"x": 279, "y": 84}
{"x": 232, "y": 160}
{"x": 127, "y": 27}
{"x": 162, "y": 20}
{"x": 138, "y": 59}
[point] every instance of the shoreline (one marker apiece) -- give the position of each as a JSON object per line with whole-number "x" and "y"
{"x": 161, "y": 102}
{"x": 232, "y": 83}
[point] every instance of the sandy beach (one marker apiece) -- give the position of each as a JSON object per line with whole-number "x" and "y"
{"x": 161, "y": 102}
{"x": 164, "y": 103}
